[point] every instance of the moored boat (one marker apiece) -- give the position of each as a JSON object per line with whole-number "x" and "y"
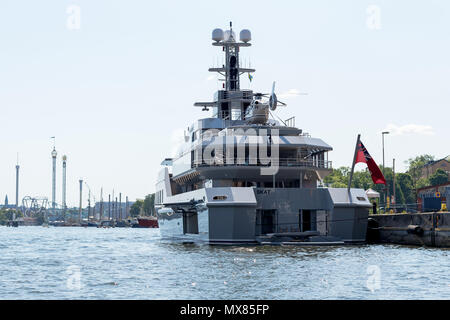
{"x": 243, "y": 175}
{"x": 147, "y": 222}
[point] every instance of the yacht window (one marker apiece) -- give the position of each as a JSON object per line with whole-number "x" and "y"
{"x": 194, "y": 136}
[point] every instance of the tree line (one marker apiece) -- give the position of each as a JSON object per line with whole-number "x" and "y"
{"x": 406, "y": 184}
{"x": 144, "y": 207}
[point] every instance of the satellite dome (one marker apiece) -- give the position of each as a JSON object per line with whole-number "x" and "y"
{"x": 217, "y": 35}
{"x": 245, "y": 35}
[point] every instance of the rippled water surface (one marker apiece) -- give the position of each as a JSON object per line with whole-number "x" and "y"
{"x": 91, "y": 263}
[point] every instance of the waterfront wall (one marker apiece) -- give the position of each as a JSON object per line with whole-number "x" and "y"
{"x": 423, "y": 229}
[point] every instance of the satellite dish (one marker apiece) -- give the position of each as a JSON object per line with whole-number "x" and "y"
{"x": 273, "y": 101}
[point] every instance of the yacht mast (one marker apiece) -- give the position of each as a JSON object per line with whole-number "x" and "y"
{"x": 231, "y": 97}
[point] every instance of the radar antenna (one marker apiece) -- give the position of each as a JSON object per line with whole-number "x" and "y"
{"x": 231, "y": 69}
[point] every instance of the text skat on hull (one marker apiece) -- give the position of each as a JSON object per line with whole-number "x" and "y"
{"x": 241, "y": 177}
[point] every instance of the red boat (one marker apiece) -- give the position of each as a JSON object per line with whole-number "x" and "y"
{"x": 148, "y": 222}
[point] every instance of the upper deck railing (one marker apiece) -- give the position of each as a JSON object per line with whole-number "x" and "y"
{"x": 282, "y": 162}
{"x": 230, "y": 115}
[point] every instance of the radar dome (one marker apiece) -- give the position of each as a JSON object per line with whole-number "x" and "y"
{"x": 217, "y": 35}
{"x": 245, "y": 35}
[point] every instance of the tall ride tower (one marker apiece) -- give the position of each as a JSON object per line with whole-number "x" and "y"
{"x": 64, "y": 206}
{"x": 54, "y": 154}
{"x": 80, "y": 210}
{"x": 17, "y": 183}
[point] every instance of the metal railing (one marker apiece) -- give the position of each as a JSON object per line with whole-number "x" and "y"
{"x": 290, "y": 122}
{"x": 233, "y": 114}
{"x": 282, "y": 162}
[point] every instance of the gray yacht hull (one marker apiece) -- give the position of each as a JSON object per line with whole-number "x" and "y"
{"x": 247, "y": 215}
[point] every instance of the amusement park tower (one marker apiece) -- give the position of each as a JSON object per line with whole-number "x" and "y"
{"x": 17, "y": 183}
{"x": 54, "y": 154}
{"x": 80, "y": 210}
{"x": 64, "y": 159}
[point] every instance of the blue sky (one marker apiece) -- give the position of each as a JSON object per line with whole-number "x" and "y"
{"x": 117, "y": 91}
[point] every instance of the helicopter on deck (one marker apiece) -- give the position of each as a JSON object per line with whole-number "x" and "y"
{"x": 258, "y": 112}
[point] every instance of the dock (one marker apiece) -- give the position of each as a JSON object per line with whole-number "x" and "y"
{"x": 422, "y": 229}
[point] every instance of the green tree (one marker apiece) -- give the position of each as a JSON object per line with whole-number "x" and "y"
{"x": 439, "y": 177}
{"x": 135, "y": 209}
{"x": 399, "y": 195}
{"x": 422, "y": 182}
{"x": 338, "y": 178}
{"x": 8, "y": 214}
{"x": 415, "y": 166}
{"x": 3, "y": 217}
{"x": 362, "y": 179}
{"x": 149, "y": 204}
{"x": 405, "y": 183}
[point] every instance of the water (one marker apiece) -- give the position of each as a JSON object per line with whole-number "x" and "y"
{"x": 91, "y": 263}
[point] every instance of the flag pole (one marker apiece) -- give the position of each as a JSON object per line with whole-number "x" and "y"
{"x": 353, "y": 164}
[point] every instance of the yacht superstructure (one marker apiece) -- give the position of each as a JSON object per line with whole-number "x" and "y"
{"x": 241, "y": 177}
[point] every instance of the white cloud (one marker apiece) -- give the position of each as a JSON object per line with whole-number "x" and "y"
{"x": 409, "y": 129}
{"x": 290, "y": 93}
{"x": 211, "y": 77}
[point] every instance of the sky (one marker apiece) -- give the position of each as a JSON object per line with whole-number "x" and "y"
{"x": 115, "y": 81}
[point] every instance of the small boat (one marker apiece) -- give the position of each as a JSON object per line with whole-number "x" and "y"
{"x": 91, "y": 224}
{"x": 12, "y": 223}
{"x": 106, "y": 224}
{"x": 147, "y": 222}
{"x": 122, "y": 224}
